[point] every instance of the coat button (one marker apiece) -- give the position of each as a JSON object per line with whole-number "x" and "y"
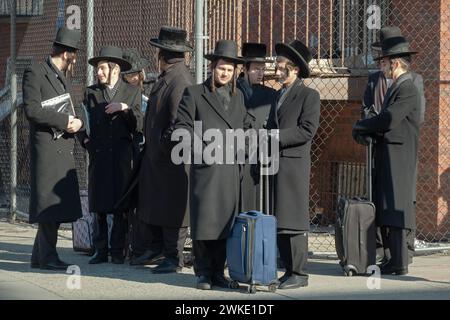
{"x": 110, "y": 150}
{"x": 59, "y": 152}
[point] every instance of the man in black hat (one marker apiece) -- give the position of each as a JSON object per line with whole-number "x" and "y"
{"x": 377, "y": 84}
{"x": 396, "y": 133}
{"x": 114, "y": 109}
{"x": 296, "y": 114}
{"x": 215, "y": 185}
{"x": 374, "y": 96}
{"x": 258, "y": 100}
{"x": 55, "y": 194}
{"x": 163, "y": 186}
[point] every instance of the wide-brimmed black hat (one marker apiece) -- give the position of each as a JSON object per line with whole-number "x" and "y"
{"x": 137, "y": 62}
{"x": 172, "y": 39}
{"x": 298, "y": 53}
{"x": 395, "y": 47}
{"x": 68, "y": 38}
{"x": 225, "y": 49}
{"x": 254, "y": 52}
{"x": 111, "y": 54}
{"x": 386, "y": 33}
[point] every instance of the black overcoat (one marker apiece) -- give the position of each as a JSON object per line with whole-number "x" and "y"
{"x": 54, "y": 186}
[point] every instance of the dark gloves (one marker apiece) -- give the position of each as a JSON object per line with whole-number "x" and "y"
{"x": 360, "y": 137}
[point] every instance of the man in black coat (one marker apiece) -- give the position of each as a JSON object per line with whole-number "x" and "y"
{"x": 55, "y": 194}
{"x": 396, "y": 134}
{"x": 217, "y": 106}
{"x": 374, "y": 95}
{"x": 114, "y": 109}
{"x": 258, "y": 100}
{"x": 296, "y": 114}
{"x": 162, "y": 211}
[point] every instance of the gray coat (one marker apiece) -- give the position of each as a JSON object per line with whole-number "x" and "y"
{"x": 54, "y": 184}
{"x": 214, "y": 189}
{"x": 298, "y": 121}
{"x": 111, "y": 144}
{"x": 163, "y": 186}
{"x": 396, "y": 130}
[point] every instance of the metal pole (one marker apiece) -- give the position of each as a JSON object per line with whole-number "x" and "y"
{"x": 205, "y": 42}
{"x": 199, "y": 41}
{"x": 13, "y": 191}
{"x": 90, "y": 41}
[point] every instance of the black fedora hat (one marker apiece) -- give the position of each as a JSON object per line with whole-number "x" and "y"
{"x": 395, "y": 47}
{"x": 386, "y": 33}
{"x": 68, "y": 38}
{"x": 172, "y": 39}
{"x": 111, "y": 54}
{"x": 298, "y": 53}
{"x": 133, "y": 57}
{"x": 225, "y": 49}
{"x": 254, "y": 52}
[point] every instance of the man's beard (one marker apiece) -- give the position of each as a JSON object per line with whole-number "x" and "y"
{"x": 69, "y": 70}
{"x": 387, "y": 71}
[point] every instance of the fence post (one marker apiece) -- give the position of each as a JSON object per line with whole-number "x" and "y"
{"x": 13, "y": 131}
{"x": 199, "y": 41}
{"x": 89, "y": 41}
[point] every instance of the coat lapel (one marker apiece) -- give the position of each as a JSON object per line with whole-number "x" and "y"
{"x": 211, "y": 98}
{"x": 292, "y": 94}
{"x": 50, "y": 75}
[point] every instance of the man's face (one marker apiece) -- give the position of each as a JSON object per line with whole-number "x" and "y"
{"x": 255, "y": 72}
{"x": 284, "y": 76}
{"x": 70, "y": 59}
{"x": 133, "y": 78}
{"x": 103, "y": 71}
{"x": 223, "y": 72}
{"x": 388, "y": 67}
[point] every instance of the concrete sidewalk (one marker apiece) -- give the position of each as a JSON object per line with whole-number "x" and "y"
{"x": 429, "y": 278}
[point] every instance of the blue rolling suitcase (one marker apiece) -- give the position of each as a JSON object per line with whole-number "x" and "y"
{"x": 252, "y": 249}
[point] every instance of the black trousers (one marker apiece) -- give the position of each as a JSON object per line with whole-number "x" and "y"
{"x": 209, "y": 257}
{"x": 398, "y": 246}
{"x": 294, "y": 252}
{"x": 44, "y": 248}
{"x": 168, "y": 241}
{"x": 118, "y": 234}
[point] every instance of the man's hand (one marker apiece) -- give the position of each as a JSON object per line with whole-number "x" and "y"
{"x": 116, "y": 107}
{"x": 74, "y": 125}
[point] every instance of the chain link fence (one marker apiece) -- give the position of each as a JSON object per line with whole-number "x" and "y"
{"x": 339, "y": 34}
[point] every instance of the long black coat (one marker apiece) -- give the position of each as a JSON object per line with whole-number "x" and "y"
{"x": 297, "y": 120}
{"x": 54, "y": 184}
{"x": 396, "y": 130}
{"x": 258, "y": 101}
{"x": 215, "y": 188}
{"x": 164, "y": 186}
{"x": 111, "y": 144}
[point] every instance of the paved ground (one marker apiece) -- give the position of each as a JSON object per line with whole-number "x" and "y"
{"x": 429, "y": 278}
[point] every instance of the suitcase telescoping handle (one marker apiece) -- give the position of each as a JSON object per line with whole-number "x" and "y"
{"x": 369, "y": 170}
{"x": 264, "y": 188}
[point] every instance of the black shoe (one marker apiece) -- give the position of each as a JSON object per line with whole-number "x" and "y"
{"x": 167, "y": 266}
{"x": 63, "y": 264}
{"x": 389, "y": 269}
{"x": 293, "y": 281}
{"x": 117, "y": 259}
{"x": 220, "y": 280}
{"x": 99, "y": 258}
{"x": 148, "y": 257}
{"x": 53, "y": 266}
{"x": 285, "y": 277}
{"x": 204, "y": 283}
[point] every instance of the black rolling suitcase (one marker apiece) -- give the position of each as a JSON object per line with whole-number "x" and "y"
{"x": 355, "y": 230}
